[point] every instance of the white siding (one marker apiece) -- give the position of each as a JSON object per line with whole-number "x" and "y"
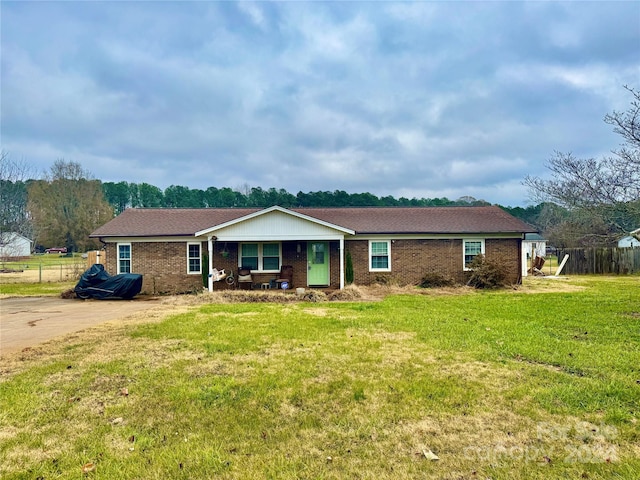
{"x": 15, "y": 245}
{"x": 628, "y": 242}
{"x": 529, "y": 252}
{"x": 276, "y": 226}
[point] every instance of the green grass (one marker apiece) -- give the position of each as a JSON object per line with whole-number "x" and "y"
{"x": 44, "y": 289}
{"x": 40, "y": 275}
{"x": 46, "y": 260}
{"x": 501, "y": 385}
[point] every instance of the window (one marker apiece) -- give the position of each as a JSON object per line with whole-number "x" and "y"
{"x": 472, "y": 248}
{"x": 263, "y": 257}
{"x": 317, "y": 250}
{"x": 124, "y": 258}
{"x": 194, "y": 260}
{"x": 379, "y": 258}
{"x": 270, "y": 256}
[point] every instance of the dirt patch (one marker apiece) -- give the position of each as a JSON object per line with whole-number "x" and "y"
{"x": 29, "y": 321}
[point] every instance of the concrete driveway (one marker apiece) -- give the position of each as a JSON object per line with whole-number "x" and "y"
{"x": 29, "y": 321}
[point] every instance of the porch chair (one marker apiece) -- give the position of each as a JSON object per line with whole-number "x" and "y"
{"x": 286, "y": 275}
{"x": 245, "y": 280}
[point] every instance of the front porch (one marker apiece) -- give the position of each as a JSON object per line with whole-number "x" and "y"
{"x": 315, "y": 264}
{"x": 266, "y": 240}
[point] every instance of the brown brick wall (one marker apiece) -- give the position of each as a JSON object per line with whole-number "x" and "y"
{"x": 164, "y": 264}
{"x": 290, "y": 256}
{"x": 412, "y": 259}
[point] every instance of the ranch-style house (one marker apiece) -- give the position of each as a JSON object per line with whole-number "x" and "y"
{"x": 176, "y": 249}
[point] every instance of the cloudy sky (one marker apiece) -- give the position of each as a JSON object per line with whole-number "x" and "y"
{"x": 413, "y": 99}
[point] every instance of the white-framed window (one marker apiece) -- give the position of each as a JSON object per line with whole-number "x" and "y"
{"x": 471, "y": 248}
{"x": 194, "y": 258}
{"x": 379, "y": 255}
{"x": 124, "y": 258}
{"x": 261, "y": 257}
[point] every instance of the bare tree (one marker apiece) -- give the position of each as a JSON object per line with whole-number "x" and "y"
{"x": 608, "y": 188}
{"x": 14, "y": 217}
{"x": 67, "y": 206}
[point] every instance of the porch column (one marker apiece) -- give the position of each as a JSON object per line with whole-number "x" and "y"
{"x": 341, "y": 263}
{"x": 210, "y": 250}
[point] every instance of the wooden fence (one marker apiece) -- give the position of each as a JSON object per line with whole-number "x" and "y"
{"x": 96, "y": 256}
{"x": 601, "y": 260}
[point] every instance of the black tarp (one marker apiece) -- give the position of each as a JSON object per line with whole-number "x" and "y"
{"x": 97, "y": 283}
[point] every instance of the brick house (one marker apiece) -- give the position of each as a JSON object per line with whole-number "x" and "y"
{"x": 175, "y": 248}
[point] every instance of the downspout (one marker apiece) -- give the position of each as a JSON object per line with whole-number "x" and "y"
{"x": 210, "y": 250}
{"x": 341, "y": 263}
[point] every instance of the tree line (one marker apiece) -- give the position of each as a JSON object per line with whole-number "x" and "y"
{"x": 584, "y": 202}
{"x": 123, "y": 195}
{"x": 67, "y": 204}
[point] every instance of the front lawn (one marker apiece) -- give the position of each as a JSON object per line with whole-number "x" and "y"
{"x": 500, "y": 385}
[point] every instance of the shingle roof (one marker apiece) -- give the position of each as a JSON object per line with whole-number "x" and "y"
{"x": 421, "y": 219}
{"x": 147, "y": 222}
{"x": 152, "y": 222}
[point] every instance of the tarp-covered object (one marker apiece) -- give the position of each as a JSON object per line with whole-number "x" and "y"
{"x": 97, "y": 283}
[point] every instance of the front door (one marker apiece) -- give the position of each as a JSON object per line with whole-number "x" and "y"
{"x": 318, "y": 263}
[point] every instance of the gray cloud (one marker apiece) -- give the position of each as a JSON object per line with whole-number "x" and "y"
{"x": 425, "y": 99}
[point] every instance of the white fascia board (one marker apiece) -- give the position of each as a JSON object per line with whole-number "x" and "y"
{"x": 275, "y": 238}
{"x": 181, "y": 238}
{"x": 215, "y": 228}
{"x": 433, "y": 236}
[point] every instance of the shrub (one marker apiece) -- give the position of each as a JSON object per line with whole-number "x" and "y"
{"x": 349, "y": 293}
{"x": 486, "y": 273}
{"x": 315, "y": 296}
{"x": 435, "y": 280}
{"x": 348, "y": 269}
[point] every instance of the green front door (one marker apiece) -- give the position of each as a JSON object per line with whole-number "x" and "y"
{"x": 318, "y": 263}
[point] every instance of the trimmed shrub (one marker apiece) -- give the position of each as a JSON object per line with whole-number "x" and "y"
{"x": 348, "y": 269}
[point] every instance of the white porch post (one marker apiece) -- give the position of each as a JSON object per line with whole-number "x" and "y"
{"x": 341, "y": 263}
{"x": 210, "y": 250}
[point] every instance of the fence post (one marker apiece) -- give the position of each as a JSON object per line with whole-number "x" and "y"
{"x": 564, "y": 260}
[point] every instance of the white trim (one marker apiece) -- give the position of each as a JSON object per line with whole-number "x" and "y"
{"x": 441, "y": 236}
{"x": 277, "y": 238}
{"x": 337, "y": 237}
{"x": 341, "y": 255}
{"x": 210, "y": 251}
{"x": 118, "y": 245}
{"x": 199, "y": 272}
{"x": 260, "y": 256}
{"x": 172, "y": 239}
{"x": 380, "y": 240}
{"x": 464, "y": 242}
{"x": 275, "y": 208}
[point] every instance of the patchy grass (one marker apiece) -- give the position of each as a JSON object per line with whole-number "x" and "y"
{"x": 42, "y": 269}
{"x": 501, "y": 385}
{"x": 45, "y": 289}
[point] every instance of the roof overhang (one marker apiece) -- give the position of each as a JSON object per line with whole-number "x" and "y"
{"x": 275, "y": 223}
